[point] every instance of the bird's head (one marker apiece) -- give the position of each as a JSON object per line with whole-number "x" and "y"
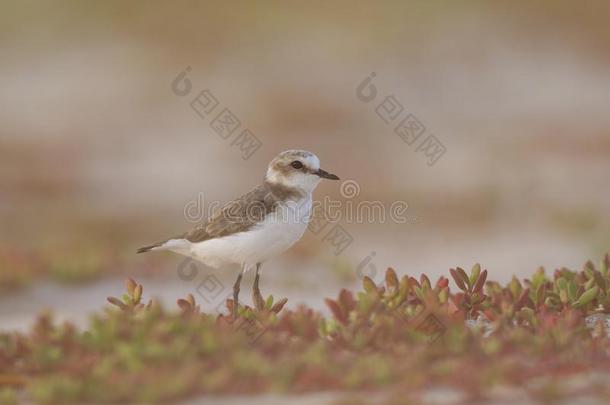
{"x": 297, "y": 169}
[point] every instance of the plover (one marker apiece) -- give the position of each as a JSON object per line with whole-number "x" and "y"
{"x": 260, "y": 224}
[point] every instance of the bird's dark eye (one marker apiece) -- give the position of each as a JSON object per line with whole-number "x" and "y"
{"x": 296, "y": 164}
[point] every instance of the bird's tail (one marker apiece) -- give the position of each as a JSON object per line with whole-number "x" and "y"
{"x": 150, "y": 247}
{"x": 176, "y": 244}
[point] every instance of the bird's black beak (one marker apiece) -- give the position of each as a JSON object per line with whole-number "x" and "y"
{"x": 326, "y": 175}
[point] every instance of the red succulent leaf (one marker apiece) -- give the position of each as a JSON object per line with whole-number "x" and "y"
{"x": 391, "y": 279}
{"x": 459, "y": 281}
{"x": 442, "y": 282}
{"x": 336, "y": 310}
{"x": 184, "y": 304}
{"x": 478, "y": 286}
{"x": 463, "y": 275}
{"x": 346, "y": 299}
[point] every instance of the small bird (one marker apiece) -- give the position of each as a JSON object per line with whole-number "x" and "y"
{"x": 259, "y": 225}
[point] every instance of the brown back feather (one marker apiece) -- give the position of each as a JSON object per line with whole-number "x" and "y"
{"x": 243, "y": 213}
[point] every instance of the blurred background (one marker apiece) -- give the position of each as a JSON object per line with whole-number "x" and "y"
{"x": 99, "y": 154}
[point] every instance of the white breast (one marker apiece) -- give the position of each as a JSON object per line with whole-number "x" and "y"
{"x": 276, "y": 233}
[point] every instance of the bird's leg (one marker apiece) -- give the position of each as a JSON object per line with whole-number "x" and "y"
{"x": 236, "y": 294}
{"x": 259, "y": 302}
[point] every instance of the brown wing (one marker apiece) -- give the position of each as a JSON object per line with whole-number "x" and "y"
{"x": 237, "y": 216}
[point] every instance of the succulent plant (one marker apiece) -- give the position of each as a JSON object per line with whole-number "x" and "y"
{"x": 131, "y": 300}
{"x": 397, "y": 336}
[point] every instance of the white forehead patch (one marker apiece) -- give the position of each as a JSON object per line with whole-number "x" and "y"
{"x": 312, "y": 162}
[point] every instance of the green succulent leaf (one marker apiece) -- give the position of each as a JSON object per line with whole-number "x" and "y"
{"x": 474, "y": 274}
{"x": 587, "y": 297}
